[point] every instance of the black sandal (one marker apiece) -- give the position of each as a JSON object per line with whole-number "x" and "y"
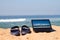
{"x": 25, "y": 29}
{"x": 15, "y": 31}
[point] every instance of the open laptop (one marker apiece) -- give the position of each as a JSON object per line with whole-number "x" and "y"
{"x": 41, "y": 25}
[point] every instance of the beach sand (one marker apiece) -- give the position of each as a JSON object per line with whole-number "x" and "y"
{"x": 55, "y": 35}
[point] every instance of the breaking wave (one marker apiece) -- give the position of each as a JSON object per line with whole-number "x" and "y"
{"x": 13, "y": 20}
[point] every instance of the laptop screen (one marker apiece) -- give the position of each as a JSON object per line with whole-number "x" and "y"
{"x": 41, "y": 23}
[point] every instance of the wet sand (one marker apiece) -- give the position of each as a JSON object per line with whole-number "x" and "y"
{"x": 55, "y": 35}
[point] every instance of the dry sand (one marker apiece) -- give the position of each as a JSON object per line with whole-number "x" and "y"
{"x": 5, "y": 35}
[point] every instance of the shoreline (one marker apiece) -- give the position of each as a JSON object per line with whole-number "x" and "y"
{"x": 5, "y": 35}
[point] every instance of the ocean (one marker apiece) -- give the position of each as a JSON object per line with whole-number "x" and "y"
{"x": 26, "y": 20}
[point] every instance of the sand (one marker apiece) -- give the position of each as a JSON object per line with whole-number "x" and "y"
{"x": 55, "y": 35}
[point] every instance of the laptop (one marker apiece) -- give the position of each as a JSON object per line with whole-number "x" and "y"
{"x": 41, "y": 25}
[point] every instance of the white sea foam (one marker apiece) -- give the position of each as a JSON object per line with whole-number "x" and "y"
{"x": 12, "y": 20}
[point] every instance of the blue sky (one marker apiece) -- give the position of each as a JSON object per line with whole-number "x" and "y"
{"x": 29, "y": 7}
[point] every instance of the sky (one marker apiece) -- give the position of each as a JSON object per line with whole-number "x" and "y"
{"x": 29, "y": 7}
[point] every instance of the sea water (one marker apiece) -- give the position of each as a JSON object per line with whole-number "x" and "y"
{"x": 10, "y": 21}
